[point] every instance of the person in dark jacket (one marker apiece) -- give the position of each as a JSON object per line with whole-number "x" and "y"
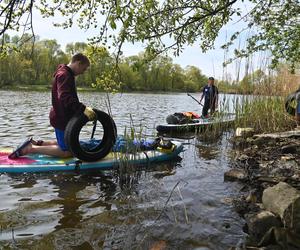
{"x": 65, "y": 104}
{"x": 210, "y": 94}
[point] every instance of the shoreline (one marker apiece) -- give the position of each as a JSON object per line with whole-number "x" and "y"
{"x": 91, "y": 89}
{"x": 262, "y": 162}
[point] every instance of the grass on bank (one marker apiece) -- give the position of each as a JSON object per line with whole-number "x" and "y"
{"x": 264, "y": 114}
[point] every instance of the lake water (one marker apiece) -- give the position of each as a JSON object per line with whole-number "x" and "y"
{"x": 109, "y": 210}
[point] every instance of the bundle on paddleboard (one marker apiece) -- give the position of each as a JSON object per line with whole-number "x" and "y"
{"x": 182, "y": 118}
{"x": 191, "y": 125}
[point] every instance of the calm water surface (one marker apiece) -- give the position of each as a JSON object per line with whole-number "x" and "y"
{"x": 109, "y": 210}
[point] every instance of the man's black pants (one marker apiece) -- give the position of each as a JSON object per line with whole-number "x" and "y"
{"x": 207, "y": 105}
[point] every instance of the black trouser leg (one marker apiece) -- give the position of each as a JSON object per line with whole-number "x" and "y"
{"x": 212, "y": 107}
{"x": 205, "y": 108}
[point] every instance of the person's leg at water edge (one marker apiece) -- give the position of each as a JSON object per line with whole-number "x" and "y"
{"x": 205, "y": 108}
{"x": 212, "y": 107}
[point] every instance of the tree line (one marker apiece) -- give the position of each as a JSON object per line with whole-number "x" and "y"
{"x": 32, "y": 62}
{"x": 29, "y": 62}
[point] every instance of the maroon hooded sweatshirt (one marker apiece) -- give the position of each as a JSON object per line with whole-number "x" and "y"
{"x": 65, "y": 102}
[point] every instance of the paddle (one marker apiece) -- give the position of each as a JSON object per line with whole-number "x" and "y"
{"x": 94, "y": 129}
{"x": 194, "y": 99}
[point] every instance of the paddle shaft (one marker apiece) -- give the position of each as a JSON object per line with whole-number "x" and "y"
{"x": 195, "y": 99}
{"x": 94, "y": 129}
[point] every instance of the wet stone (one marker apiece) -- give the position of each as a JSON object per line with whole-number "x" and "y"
{"x": 235, "y": 174}
{"x": 280, "y": 135}
{"x": 260, "y": 141}
{"x": 287, "y": 158}
{"x": 242, "y": 207}
{"x": 243, "y": 157}
{"x": 290, "y": 149}
{"x": 283, "y": 237}
{"x": 284, "y": 201}
{"x": 244, "y": 132}
{"x": 260, "y": 223}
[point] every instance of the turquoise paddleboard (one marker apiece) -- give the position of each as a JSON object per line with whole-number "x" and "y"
{"x": 43, "y": 163}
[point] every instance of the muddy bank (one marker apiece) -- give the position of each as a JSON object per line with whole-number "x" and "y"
{"x": 269, "y": 167}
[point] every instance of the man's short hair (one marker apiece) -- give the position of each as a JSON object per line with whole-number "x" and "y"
{"x": 211, "y": 78}
{"x": 81, "y": 58}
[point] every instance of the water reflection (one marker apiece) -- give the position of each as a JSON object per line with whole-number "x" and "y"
{"x": 74, "y": 193}
{"x": 72, "y": 197}
{"x": 117, "y": 209}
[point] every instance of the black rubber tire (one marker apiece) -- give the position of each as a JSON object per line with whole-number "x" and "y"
{"x": 291, "y": 97}
{"x": 72, "y": 132}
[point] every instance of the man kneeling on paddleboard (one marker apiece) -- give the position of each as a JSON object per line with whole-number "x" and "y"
{"x": 65, "y": 104}
{"x": 210, "y": 94}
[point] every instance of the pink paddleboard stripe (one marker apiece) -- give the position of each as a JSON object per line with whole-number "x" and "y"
{"x": 19, "y": 161}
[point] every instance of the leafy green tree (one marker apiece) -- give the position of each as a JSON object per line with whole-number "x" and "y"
{"x": 35, "y": 62}
{"x": 274, "y": 23}
{"x": 277, "y": 27}
{"x": 101, "y": 62}
{"x": 194, "y": 79}
{"x": 129, "y": 77}
{"x": 253, "y": 81}
{"x": 73, "y": 48}
{"x": 177, "y": 77}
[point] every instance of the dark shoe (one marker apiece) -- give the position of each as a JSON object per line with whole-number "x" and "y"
{"x": 18, "y": 152}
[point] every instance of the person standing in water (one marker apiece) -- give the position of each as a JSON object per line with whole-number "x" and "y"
{"x": 210, "y": 94}
{"x": 65, "y": 104}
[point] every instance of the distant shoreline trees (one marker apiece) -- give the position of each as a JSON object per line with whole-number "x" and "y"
{"x": 35, "y": 61}
{"x": 34, "y": 64}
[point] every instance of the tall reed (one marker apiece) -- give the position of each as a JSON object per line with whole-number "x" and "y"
{"x": 265, "y": 114}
